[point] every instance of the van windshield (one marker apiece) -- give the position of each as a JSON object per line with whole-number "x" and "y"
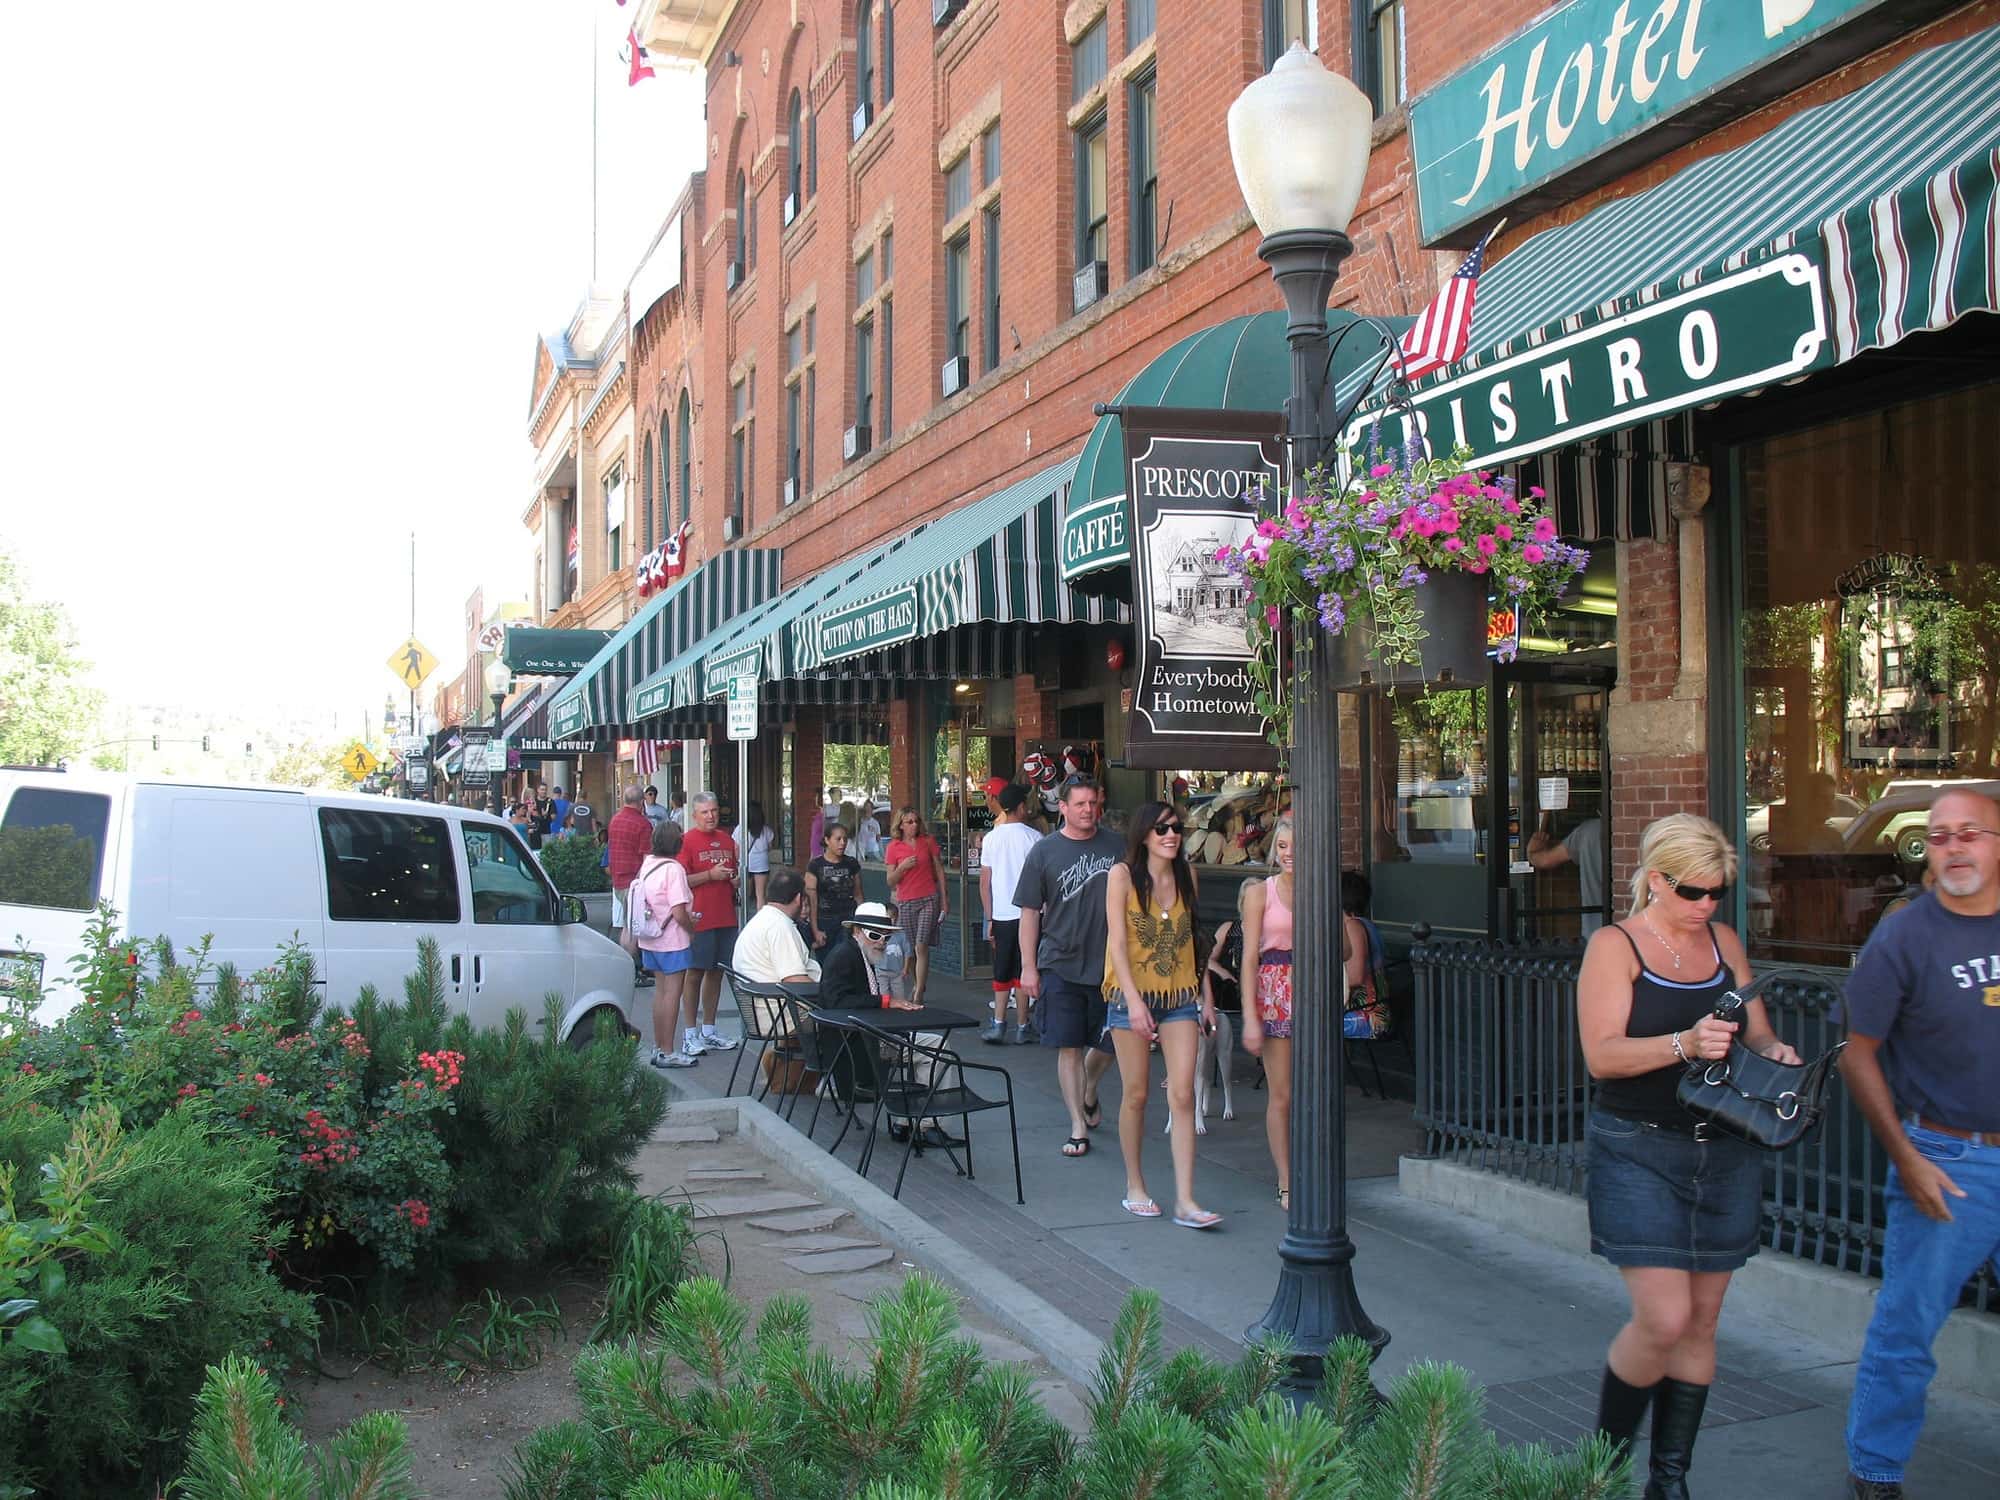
{"x": 52, "y": 848}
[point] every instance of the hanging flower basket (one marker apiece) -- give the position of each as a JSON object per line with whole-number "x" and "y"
{"x": 1394, "y": 569}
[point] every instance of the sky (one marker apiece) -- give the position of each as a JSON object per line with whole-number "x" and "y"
{"x": 273, "y": 280}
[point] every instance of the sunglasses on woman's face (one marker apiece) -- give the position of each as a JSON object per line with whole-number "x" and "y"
{"x": 1169, "y": 827}
{"x": 1687, "y": 892}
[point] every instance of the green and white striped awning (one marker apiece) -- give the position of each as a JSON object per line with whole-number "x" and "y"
{"x": 696, "y": 606}
{"x": 1847, "y": 227}
{"x": 995, "y": 561}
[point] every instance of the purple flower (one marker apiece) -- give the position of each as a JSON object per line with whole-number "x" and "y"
{"x": 1517, "y": 584}
{"x": 1343, "y": 557}
{"x": 1332, "y": 613}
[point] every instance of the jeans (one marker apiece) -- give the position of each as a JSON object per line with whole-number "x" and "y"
{"x": 1925, "y": 1265}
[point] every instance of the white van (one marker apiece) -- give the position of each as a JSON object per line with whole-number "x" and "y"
{"x": 358, "y": 879}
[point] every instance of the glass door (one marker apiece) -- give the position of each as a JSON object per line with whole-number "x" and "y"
{"x": 1546, "y": 843}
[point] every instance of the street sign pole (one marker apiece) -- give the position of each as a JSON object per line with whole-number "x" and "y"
{"x": 742, "y": 729}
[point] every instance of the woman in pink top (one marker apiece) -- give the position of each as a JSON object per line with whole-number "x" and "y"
{"x": 916, "y": 878}
{"x": 1267, "y": 995}
{"x": 663, "y": 931}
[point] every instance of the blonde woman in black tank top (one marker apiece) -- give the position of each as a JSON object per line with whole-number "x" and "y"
{"x": 1676, "y": 1211}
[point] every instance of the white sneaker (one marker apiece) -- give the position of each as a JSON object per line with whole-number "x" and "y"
{"x": 661, "y": 1059}
{"x": 691, "y": 1045}
{"x": 715, "y": 1041}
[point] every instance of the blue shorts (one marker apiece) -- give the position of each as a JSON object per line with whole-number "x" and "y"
{"x": 1662, "y": 1198}
{"x": 1119, "y": 1017}
{"x": 1069, "y": 1014}
{"x": 711, "y": 948}
{"x": 676, "y": 961}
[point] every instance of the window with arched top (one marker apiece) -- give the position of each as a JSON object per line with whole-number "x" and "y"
{"x": 741, "y": 262}
{"x": 646, "y": 499}
{"x": 795, "y": 158}
{"x": 666, "y": 476}
{"x": 686, "y": 451}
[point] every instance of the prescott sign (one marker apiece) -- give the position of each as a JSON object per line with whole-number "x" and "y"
{"x": 1740, "y": 331}
{"x": 1599, "y": 85}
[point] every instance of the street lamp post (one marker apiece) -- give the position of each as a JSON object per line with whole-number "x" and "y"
{"x": 1299, "y": 137}
{"x": 499, "y": 678}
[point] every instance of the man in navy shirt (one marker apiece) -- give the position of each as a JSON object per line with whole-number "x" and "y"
{"x": 1923, "y": 1065}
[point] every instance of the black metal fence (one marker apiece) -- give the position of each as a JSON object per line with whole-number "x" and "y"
{"x": 1501, "y": 1086}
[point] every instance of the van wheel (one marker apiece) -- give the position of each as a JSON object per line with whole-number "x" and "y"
{"x": 584, "y": 1032}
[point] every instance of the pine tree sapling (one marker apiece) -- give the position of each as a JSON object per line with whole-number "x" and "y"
{"x": 241, "y": 1448}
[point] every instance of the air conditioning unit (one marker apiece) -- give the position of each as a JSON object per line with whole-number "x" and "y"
{"x": 854, "y": 442}
{"x": 943, "y": 10}
{"x": 733, "y": 277}
{"x": 791, "y": 490}
{"x": 732, "y": 528}
{"x": 791, "y": 207}
{"x": 864, "y": 116}
{"x": 1090, "y": 283}
{"x": 956, "y": 374}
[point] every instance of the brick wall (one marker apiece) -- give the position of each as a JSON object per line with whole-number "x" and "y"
{"x": 1646, "y": 788}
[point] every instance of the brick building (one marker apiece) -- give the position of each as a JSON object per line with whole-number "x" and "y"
{"x": 927, "y": 240}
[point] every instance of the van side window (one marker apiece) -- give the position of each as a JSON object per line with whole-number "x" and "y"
{"x": 507, "y": 885}
{"x": 388, "y": 867}
{"x": 52, "y": 848}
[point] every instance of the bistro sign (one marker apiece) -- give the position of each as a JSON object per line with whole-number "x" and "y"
{"x": 1600, "y": 85}
{"x": 1739, "y": 332}
{"x": 1195, "y": 481}
{"x": 885, "y": 620}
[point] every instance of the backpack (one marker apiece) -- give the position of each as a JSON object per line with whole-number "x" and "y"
{"x": 641, "y": 920}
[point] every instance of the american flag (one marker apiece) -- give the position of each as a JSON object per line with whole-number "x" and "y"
{"x": 646, "y": 756}
{"x": 641, "y": 65}
{"x": 1444, "y": 328}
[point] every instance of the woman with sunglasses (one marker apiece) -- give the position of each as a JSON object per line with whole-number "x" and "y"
{"x": 916, "y": 877}
{"x": 1673, "y": 1207}
{"x": 1153, "y": 989}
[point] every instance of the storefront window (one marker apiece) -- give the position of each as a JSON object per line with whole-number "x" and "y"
{"x": 1870, "y": 658}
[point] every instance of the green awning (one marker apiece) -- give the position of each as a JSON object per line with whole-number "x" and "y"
{"x": 714, "y": 593}
{"x": 1846, "y": 228}
{"x": 534, "y": 652}
{"x": 1241, "y": 364}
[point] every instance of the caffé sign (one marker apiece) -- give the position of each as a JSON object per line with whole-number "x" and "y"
{"x": 1600, "y": 85}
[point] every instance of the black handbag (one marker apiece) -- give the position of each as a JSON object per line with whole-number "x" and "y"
{"x": 1769, "y": 1104}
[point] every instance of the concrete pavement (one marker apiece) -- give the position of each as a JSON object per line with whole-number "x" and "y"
{"x": 1528, "y": 1319}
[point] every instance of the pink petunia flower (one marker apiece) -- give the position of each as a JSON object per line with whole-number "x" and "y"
{"x": 1532, "y": 553}
{"x": 1271, "y": 615}
{"x": 1512, "y": 507}
{"x": 1381, "y": 471}
{"x": 1545, "y": 529}
{"x": 1475, "y": 567}
{"x": 1487, "y": 546}
{"x": 1504, "y": 532}
{"x": 1453, "y": 544}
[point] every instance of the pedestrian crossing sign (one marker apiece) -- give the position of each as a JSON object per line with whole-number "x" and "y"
{"x": 358, "y": 763}
{"x": 411, "y": 662}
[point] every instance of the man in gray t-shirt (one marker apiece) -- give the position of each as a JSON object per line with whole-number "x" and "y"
{"x": 1063, "y": 931}
{"x": 1584, "y": 847}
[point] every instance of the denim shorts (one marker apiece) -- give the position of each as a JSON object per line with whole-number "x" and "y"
{"x": 1119, "y": 1017}
{"x": 1069, "y": 1014}
{"x": 1661, "y": 1198}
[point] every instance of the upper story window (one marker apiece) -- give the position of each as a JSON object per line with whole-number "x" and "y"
{"x": 1139, "y": 21}
{"x": 1092, "y": 206}
{"x": 864, "y": 276}
{"x": 646, "y": 497}
{"x": 666, "y": 477}
{"x": 1378, "y": 52}
{"x": 1145, "y": 164}
{"x": 888, "y": 50}
{"x": 989, "y": 154}
{"x": 958, "y": 187}
{"x": 795, "y": 157}
{"x": 1088, "y": 61}
{"x": 742, "y": 447}
{"x": 686, "y": 451}
{"x": 864, "y": 66}
{"x": 991, "y": 277}
{"x": 958, "y": 297}
{"x": 739, "y": 264}
{"x": 614, "y": 516}
{"x": 1288, "y": 21}
{"x": 801, "y": 390}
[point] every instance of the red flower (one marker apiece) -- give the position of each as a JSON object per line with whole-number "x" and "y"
{"x": 30, "y": 1069}
{"x": 189, "y": 1090}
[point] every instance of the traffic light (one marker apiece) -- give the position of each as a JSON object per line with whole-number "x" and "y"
{"x": 204, "y": 744}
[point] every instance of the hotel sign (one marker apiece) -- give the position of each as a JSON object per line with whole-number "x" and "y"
{"x": 1736, "y": 333}
{"x": 1598, "y": 86}
{"x": 886, "y": 620}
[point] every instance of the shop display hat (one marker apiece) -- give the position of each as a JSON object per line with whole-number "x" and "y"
{"x": 871, "y": 916}
{"x": 1039, "y": 770}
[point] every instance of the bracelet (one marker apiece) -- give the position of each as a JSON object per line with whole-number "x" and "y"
{"x": 1678, "y": 1052}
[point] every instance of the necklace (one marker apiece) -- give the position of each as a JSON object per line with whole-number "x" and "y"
{"x": 1646, "y": 916}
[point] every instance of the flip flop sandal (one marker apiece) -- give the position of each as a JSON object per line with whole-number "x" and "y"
{"x": 1076, "y": 1146}
{"x": 1284, "y": 1198}
{"x": 1093, "y": 1115}
{"x": 1202, "y": 1220}
{"x": 1140, "y": 1208}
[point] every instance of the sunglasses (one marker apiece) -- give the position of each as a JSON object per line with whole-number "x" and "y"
{"x": 1165, "y": 829}
{"x": 1938, "y": 838}
{"x": 1688, "y": 892}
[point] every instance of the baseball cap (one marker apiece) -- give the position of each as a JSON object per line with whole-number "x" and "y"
{"x": 995, "y": 785}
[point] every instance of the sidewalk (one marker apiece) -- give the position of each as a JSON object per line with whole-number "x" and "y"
{"x": 1529, "y": 1322}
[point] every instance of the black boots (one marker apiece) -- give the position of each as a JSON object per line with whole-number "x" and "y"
{"x": 1677, "y": 1408}
{"x": 1619, "y": 1408}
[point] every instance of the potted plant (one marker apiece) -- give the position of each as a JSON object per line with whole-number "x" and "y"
{"x": 1396, "y": 567}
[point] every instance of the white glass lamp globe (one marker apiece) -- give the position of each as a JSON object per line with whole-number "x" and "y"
{"x": 1299, "y": 137}
{"x": 499, "y": 677}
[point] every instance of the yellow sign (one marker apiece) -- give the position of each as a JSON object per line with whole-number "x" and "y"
{"x": 411, "y": 662}
{"x": 358, "y": 763}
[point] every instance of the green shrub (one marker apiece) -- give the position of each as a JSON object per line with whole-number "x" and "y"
{"x": 712, "y": 1410}
{"x": 575, "y": 865}
{"x": 242, "y": 1446}
{"x": 178, "y": 1276}
{"x": 652, "y": 1253}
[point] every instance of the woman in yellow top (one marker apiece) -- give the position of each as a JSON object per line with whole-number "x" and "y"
{"x": 1154, "y": 988}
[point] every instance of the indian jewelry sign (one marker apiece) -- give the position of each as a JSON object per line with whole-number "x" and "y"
{"x": 1738, "y": 332}
{"x": 1194, "y": 483}
{"x": 1600, "y": 85}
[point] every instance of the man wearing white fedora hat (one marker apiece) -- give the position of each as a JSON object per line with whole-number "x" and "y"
{"x": 852, "y": 976}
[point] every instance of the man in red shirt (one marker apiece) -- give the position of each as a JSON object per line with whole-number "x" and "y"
{"x": 628, "y": 840}
{"x": 709, "y": 856}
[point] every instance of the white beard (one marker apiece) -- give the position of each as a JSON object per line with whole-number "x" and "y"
{"x": 1960, "y": 883}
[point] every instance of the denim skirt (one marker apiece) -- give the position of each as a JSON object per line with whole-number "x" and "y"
{"x": 1662, "y": 1198}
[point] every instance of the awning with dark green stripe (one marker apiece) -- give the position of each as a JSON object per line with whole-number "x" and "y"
{"x": 1847, "y": 227}
{"x": 1240, "y": 364}
{"x": 534, "y": 652}
{"x": 697, "y": 605}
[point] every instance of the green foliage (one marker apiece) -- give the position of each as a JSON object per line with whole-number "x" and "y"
{"x": 241, "y": 1446}
{"x": 652, "y": 1252}
{"x": 47, "y": 705}
{"x": 711, "y": 1409}
{"x": 575, "y": 865}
